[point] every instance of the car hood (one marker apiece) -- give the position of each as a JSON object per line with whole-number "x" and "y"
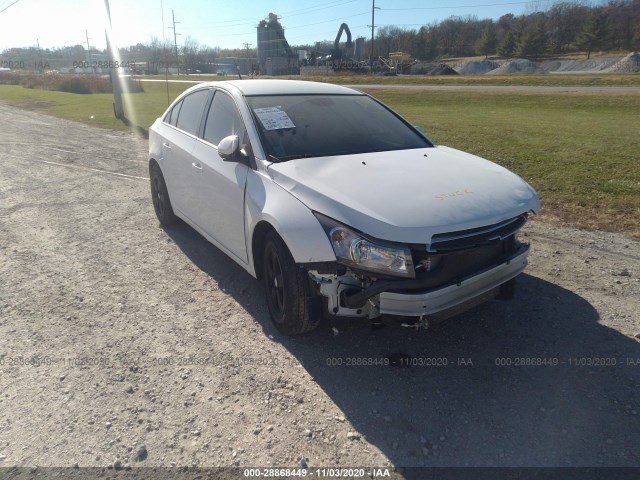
{"x": 407, "y": 195}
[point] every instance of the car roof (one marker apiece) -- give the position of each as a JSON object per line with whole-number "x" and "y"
{"x": 285, "y": 87}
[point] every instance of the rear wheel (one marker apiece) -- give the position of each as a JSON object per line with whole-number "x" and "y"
{"x": 160, "y": 197}
{"x": 293, "y": 309}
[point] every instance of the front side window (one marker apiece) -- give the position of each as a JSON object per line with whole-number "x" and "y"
{"x": 295, "y": 126}
{"x": 190, "y": 114}
{"x": 223, "y": 119}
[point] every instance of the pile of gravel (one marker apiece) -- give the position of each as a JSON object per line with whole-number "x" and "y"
{"x": 629, "y": 64}
{"x": 432, "y": 69}
{"x": 591, "y": 65}
{"x": 440, "y": 69}
{"x": 517, "y": 65}
{"x": 477, "y": 67}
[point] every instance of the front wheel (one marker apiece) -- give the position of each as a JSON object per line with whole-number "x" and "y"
{"x": 292, "y": 307}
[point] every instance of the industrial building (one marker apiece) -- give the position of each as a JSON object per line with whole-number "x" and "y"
{"x": 275, "y": 56}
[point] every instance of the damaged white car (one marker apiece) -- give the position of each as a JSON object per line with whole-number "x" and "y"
{"x": 337, "y": 203}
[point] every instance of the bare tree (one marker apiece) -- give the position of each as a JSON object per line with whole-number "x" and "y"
{"x": 564, "y": 21}
{"x": 155, "y": 55}
{"x": 190, "y": 49}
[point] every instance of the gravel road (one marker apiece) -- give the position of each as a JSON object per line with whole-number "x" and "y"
{"x": 123, "y": 342}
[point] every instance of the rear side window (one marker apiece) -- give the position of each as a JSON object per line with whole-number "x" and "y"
{"x": 172, "y": 117}
{"x": 223, "y": 119}
{"x": 191, "y": 111}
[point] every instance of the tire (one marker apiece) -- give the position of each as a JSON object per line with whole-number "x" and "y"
{"x": 293, "y": 308}
{"x": 160, "y": 197}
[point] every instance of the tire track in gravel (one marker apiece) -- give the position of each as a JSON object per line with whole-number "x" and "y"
{"x": 155, "y": 337}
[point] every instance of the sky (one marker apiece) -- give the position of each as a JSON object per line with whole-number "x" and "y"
{"x": 224, "y": 24}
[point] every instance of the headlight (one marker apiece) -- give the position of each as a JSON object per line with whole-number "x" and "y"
{"x": 355, "y": 250}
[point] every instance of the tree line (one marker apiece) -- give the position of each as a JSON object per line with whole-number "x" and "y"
{"x": 567, "y": 26}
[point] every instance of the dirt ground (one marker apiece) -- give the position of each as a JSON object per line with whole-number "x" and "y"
{"x": 123, "y": 342}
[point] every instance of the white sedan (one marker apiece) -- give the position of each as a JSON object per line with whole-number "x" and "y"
{"x": 338, "y": 204}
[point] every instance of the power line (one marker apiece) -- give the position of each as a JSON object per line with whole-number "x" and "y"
{"x": 292, "y": 13}
{"x": 327, "y": 21}
{"x": 306, "y": 25}
{"x": 164, "y": 52}
{"x": 315, "y": 9}
{"x": 6, "y": 8}
{"x": 175, "y": 39}
{"x": 456, "y": 6}
{"x": 373, "y": 26}
{"x": 118, "y": 109}
{"x": 86, "y": 33}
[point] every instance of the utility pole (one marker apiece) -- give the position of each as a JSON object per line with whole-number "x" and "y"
{"x": 164, "y": 54}
{"x": 247, "y": 45}
{"x": 175, "y": 39}
{"x": 86, "y": 34}
{"x": 373, "y": 25}
{"x": 115, "y": 78}
{"x": 373, "y": 20}
{"x": 39, "y": 56}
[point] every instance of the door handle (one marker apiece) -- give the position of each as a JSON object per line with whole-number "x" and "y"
{"x": 196, "y": 166}
{"x": 167, "y": 146}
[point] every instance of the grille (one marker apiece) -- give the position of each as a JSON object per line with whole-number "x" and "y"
{"x": 464, "y": 239}
{"x": 449, "y": 266}
{"x": 455, "y": 255}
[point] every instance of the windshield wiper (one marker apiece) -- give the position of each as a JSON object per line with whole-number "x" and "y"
{"x": 284, "y": 158}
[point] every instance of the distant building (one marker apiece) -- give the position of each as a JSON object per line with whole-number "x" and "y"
{"x": 230, "y": 65}
{"x": 275, "y": 56}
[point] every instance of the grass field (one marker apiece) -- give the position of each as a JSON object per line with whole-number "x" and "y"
{"x": 580, "y": 151}
{"x": 140, "y": 108}
{"x": 550, "y": 80}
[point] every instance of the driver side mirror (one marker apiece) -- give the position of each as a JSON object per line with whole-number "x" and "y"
{"x": 229, "y": 149}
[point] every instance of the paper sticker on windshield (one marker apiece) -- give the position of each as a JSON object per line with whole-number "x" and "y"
{"x": 273, "y": 118}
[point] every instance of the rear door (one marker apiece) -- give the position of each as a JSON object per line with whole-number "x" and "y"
{"x": 220, "y": 191}
{"x": 178, "y": 143}
{"x": 171, "y": 142}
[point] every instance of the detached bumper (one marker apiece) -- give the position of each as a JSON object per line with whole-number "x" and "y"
{"x": 445, "y": 298}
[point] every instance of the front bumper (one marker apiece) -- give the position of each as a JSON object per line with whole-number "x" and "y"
{"x": 450, "y": 296}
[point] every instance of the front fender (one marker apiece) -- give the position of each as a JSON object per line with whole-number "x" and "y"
{"x": 294, "y": 222}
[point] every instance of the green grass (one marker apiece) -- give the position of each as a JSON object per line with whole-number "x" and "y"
{"x": 550, "y": 80}
{"x": 579, "y": 150}
{"x": 140, "y": 108}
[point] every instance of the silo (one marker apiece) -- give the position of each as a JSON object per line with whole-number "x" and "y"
{"x": 273, "y": 45}
{"x": 358, "y": 49}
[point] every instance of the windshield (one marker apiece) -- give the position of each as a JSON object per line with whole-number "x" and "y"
{"x": 295, "y": 126}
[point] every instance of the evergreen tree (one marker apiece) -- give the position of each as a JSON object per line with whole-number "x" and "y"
{"x": 508, "y": 46}
{"x": 595, "y": 33}
{"x": 531, "y": 42}
{"x": 425, "y": 45}
{"x": 488, "y": 41}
